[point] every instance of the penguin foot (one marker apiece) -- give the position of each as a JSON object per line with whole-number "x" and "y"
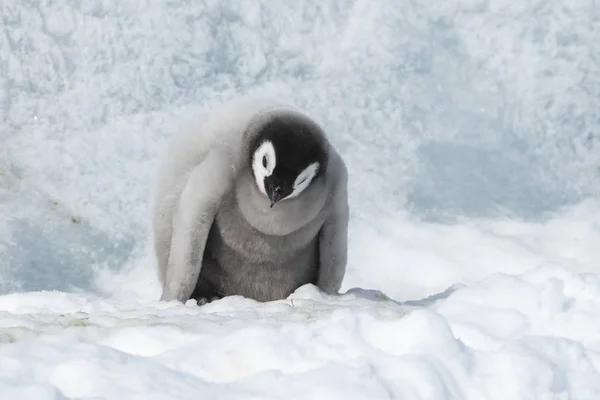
{"x": 203, "y": 300}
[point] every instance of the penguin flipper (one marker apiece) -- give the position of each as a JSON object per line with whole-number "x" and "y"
{"x": 333, "y": 240}
{"x": 194, "y": 213}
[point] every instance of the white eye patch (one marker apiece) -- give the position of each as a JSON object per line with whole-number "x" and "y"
{"x": 304, "y": 179}
{"x": 263, "y": 164}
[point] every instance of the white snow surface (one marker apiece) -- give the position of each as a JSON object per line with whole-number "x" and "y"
{"x": 471, "y": 130}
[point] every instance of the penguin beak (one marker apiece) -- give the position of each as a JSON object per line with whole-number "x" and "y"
{"x": 274, "y": 194}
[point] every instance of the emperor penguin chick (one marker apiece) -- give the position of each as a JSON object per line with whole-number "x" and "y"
{"x": 253, "y": 202}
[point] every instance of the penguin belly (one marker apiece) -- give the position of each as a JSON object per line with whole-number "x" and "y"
{"x": 240, "y": 260}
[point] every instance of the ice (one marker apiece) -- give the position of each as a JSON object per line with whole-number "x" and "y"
{"x": 511, "y": 336}
{"x": 471, "y": 130}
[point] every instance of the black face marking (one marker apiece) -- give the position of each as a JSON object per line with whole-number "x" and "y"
{"x": 280, "y": 184}
{"x": 276, "y": 189}
{"x": 296, "y": 145}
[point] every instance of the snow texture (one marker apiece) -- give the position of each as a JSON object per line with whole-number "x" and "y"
{"x": 471, "y": 130}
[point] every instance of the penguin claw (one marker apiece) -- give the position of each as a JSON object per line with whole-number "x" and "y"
{"x": 203, "y": 300}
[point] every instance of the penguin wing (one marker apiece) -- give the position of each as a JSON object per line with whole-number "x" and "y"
{"x": 333, "y": 238}
{"x": 195, "y": 211}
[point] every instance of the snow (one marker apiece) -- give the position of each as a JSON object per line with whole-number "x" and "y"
{"x": 471, "y": 133}
{"x": 519, "y": 336}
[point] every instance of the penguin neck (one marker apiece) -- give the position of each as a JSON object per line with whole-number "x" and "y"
{"x": 286, "y": 216}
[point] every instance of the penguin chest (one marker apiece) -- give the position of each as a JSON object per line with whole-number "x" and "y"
{"x": 231, "y": 232}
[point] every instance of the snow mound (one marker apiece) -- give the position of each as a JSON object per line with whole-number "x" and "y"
{"x": 477, "y": 343}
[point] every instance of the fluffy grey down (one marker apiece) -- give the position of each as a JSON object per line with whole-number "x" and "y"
{"x": 215, "y": 233}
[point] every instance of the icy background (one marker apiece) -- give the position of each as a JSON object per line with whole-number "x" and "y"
{"x": 448, "y": 110}
{"x": 471, "y": 130}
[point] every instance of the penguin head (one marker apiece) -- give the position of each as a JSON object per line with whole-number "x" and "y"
{"x": 287, "y": 155}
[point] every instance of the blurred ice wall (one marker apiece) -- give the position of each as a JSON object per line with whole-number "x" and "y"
{"x": 453, "y": 109}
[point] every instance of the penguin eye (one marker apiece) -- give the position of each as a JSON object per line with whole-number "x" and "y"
{"x": 264, "y": 161}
